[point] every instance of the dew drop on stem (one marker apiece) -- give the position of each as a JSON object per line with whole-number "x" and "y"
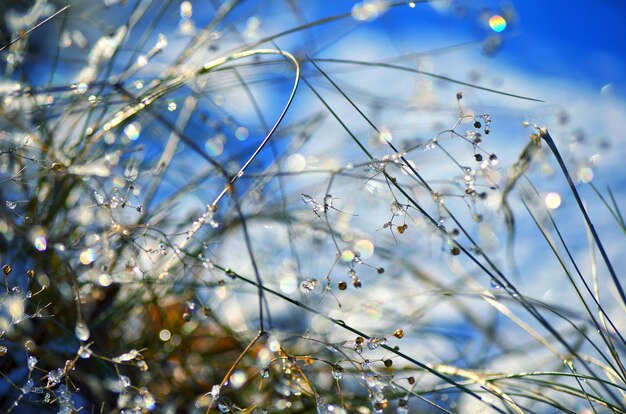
{"x": 337, "y": 372}
{"x": 82, "y": 331}
{"x": 396, "y": 208}
{"x": 224, "y": 405}
{"x": 28, "y": 386}
{"x": 84, "y": 352}
{"x": 374, "y": 343}
{"x": 310, "y": 285}
{"x": 124, "y": 381}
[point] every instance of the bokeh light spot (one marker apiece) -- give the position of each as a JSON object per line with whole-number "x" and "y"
{"x": 87, "y": 256}
{"x": 497, "y": 23}
{"x": 132, "y": 131}
{"x": 553, "y": 200}
{"x": 214, "y": 146}
{"x": 241, "y": 133}
{"x": 165, "y": 335}
{"x": 365, "y": 247}
{"x": 585, "y": 174}
{"x": 40, "y": 243}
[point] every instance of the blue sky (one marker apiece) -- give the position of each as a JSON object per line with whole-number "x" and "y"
{"x": 566, "y": 39}
{"x": 573, "y": 39}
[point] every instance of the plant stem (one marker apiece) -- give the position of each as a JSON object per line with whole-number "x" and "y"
{"x": 543, "y": 133}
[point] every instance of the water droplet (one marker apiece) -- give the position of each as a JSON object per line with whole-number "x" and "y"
{"x": 374, "y": 343}
{"x": 28, "y": 386}
{"x": 265, "y": 373}
{"x": 430, "y": 145}
{"x": 81, "y": 88}
{"x": 82, "y": 331}
{"x": 84, "y": 352}
{"x": 396, "y": 208}
{"x": 309, "y": 285}
{"x": 437, "y": 197}
{"x": 128, "y": 356}
{"x": 54, "y": 376}
{"x": 495, "y": 284}
{"x": 337, "y": 372}
{"x": 224, "y": 404}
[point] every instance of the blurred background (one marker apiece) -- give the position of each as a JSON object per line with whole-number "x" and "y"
{"x": 123, "y": 133}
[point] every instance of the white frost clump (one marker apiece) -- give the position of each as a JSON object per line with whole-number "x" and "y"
{"x": 102, "y": 51}
{"x": 16, "y": 22}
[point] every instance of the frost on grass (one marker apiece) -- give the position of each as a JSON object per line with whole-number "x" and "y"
{"x": 168, "y": 245}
